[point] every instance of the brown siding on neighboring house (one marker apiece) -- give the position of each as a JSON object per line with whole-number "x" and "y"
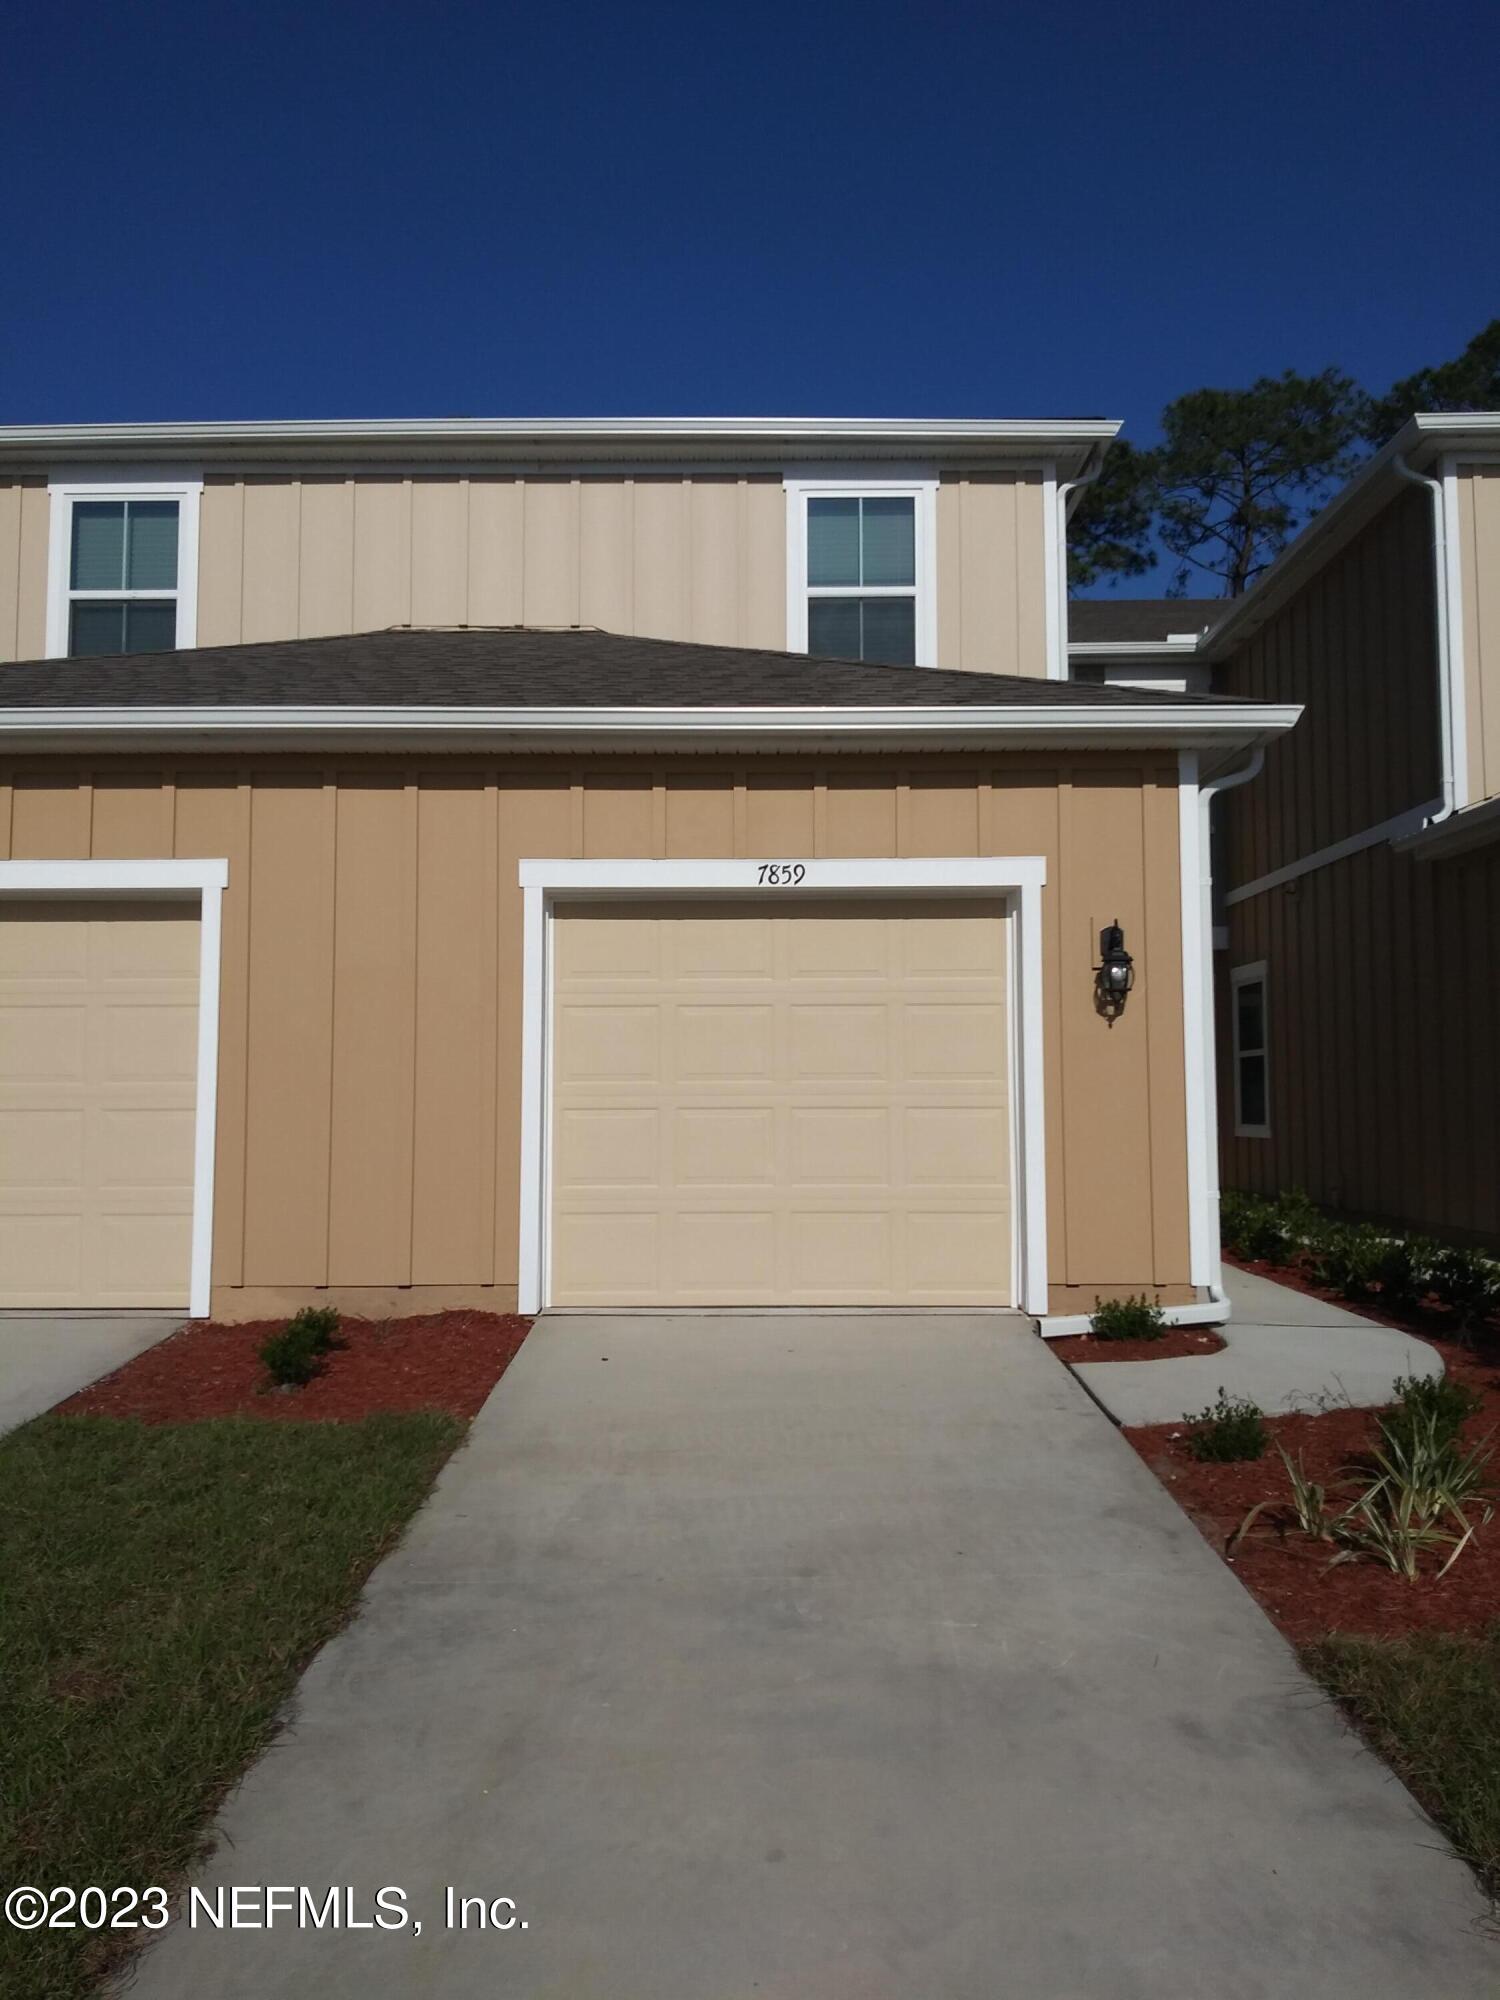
{"x": 1383, "y": 1066}
{"x": 1384, "y": 1062}
{"x": 701, "y": 558}
{"x": 1357, "y": 645}
{"x": 369, "y": 1104}
{"x": 1479, "y": 566}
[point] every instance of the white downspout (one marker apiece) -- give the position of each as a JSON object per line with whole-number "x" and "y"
{"x": 1060, "y": 530}
{"x": 1448, "y": 749}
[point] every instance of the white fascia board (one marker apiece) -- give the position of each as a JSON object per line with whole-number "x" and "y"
{"x": 1165, "y": 723}
{"x": 552, "y": 437}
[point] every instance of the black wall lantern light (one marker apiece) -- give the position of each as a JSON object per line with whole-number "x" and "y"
{"x": 1114, "y": 975}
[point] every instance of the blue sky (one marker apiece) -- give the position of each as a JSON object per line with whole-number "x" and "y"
{"x": 861, "y": 209}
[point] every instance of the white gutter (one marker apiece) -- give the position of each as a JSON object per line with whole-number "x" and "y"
{"x": 1448, "y": 749}
{"x": 1165, "y": 722}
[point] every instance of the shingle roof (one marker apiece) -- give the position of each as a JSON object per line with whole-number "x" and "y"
{"x": 524, "y": 667}
{"x": 1141, "y": 619}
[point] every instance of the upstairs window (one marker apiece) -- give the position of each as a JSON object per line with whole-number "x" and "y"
{"x": 122, "y": 577}
{"x": 1252, "y": 1080}
{"x": 123, "y": 569}
{"x": 859, "y": 572}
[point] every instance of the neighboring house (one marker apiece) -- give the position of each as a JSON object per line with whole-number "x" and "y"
{"x": 440, "y": 875}
{"x": 1359, "y": 885}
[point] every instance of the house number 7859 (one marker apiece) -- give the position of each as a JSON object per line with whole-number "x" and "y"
{"x": 781, "y": 874}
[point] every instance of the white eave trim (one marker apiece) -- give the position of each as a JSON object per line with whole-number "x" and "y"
{"x": 1166, "y": 723}
{"x": 1033, "y": 440}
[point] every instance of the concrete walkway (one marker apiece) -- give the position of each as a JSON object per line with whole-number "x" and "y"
{"x": 824, "y": 1658}
{"x": 45, "y": 1357}
{"x": 1285, "y": 1351}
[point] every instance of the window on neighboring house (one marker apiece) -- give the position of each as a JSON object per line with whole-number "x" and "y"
{"x": 123, "y": 570}
{"x": 858, "y": 582}
{"x": 1252, "y": 1079}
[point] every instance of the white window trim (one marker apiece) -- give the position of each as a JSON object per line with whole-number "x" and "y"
{"x": 1250, "y": 975}
{"x": 186, "y": 490}
{"x": 1018, "y": 878}
{"x": 171, "y": 881}
{"x": 921, "y": 490}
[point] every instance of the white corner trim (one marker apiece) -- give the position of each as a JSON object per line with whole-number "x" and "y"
{"x": 185, "y": 489}
{"x": 1020, "y": 878}
{"x": 922, "y": 489}
{"x": 1452, "y": 582}
{"x": 1394, "y": 829}
{"x": 170, "y": 881}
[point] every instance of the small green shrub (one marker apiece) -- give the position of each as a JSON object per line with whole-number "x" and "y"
{"x": 300, "y": 1350}
{"x": 1403, "y": 1268}
{"x": 1128, "y": 1319}
{"x": 1230, "y": 1429}
{"x": 1429, "y": 1399}
{"x": 1347, "y": 1258}
{"x": 1467, "y": 1283}
{"x": 1270, "y": 1232}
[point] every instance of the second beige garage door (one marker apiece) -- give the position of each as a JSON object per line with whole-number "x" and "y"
{"x": 98, "y": 1068}
{"x": 762, "y": 1107}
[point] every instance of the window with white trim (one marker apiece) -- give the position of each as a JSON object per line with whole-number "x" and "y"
{"x": 1252, "y": 1063}
{"x": 860, "y": 571}
{"x": 123, "y": 569}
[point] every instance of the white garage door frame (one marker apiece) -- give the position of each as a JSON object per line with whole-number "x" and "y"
{"x": 1017, "y": 880}
{"x": 202, "y": 882}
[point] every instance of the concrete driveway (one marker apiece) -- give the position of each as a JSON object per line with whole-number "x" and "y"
{"x": 823, "y": 1658}
{"x": 45, "y": 1357}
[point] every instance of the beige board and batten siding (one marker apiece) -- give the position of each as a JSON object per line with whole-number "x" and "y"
{"x": 1479, "y": 571}
{"x": 700, "y": 558}
{"x": 370, "y": 1022}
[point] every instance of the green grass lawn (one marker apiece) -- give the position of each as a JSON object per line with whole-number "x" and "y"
{"x": 161, "y": 1587}
{"x": 1430, "y": 1704}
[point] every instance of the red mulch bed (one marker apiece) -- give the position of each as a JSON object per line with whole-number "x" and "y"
{"x": 436, "y": 1361}
{"x": 1286, "y": 1570}
{"x": 1175, "y": 1341}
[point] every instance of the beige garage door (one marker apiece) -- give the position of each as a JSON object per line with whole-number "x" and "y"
{"x": 754, "y": 1106}
{"x": 98, "y": 1056}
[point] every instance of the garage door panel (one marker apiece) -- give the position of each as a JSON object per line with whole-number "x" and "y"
{"x": 822, "y": 1118}
{"x": 724, "y": 1146}
{"x": 956, "y": 1146}
{"x": 834, "y": 1254}
{"x": 712, "y": 949}
{"x": 42, "y": 1148}
{"x": 722, "y": 1041}
{"x": 952, "y": 1040}
{"x": 40, "y": 1043}
{"x": 718, "y": 1248}
{"x": 607, "y": 1148}
{"x": 839, "y": 1145}
{"x": 98, "y": 1067}
{"x": 611, "y": 1044}
{"x": 613, "y": 1250}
